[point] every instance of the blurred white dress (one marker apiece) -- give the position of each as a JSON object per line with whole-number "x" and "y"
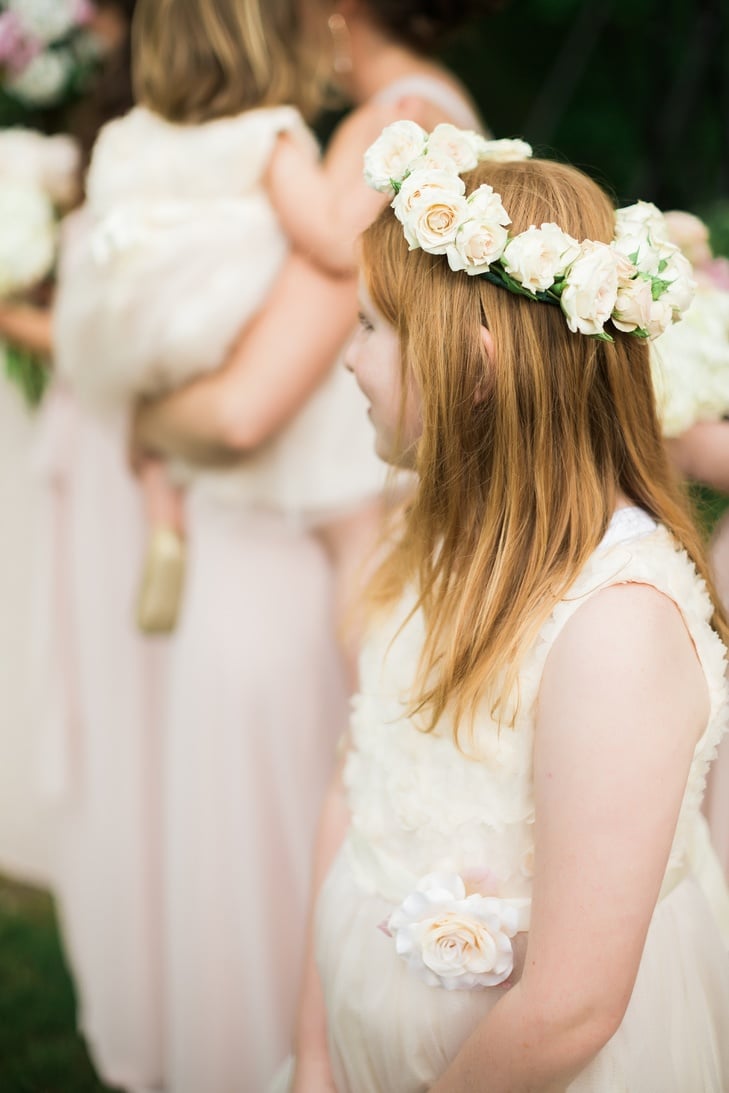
{"x": 419, "y": 805}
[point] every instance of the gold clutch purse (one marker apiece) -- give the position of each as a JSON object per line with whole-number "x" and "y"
{"x": 160, "y": 594}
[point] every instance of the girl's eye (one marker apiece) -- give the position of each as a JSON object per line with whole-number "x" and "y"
{"x": 364, "y": 322}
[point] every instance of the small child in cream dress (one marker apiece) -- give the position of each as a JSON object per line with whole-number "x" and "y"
{"x": 182, "y": 249}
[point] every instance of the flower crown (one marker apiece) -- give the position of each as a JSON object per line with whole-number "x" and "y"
{"x": 640, "y": 282}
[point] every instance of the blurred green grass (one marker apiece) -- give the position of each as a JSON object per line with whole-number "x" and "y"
{"x": 40, "y": 1051}
{"x": 709, "y": 506}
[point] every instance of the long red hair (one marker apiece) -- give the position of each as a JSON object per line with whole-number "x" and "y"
{"x": 521, "y": 457}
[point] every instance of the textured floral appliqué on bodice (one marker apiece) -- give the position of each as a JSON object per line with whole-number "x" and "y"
{"x": 419, "y": 804}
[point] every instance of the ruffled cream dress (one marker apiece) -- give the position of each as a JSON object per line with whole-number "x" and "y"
{"x": 177, "y": 247}
{"x": 420, "y": 806}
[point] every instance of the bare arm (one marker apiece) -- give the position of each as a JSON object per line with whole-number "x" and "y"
{"x": 323, "y": 207}
{"x": 702, "y": 453}
{"x": 281, "y": 358}
{"x": 28, "y": 326}
{"x": 622, "y": 703}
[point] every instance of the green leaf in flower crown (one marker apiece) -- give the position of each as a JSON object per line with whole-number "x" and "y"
{"x": 662, "y": 265}
{"x": 658, "y": 287}
{"x": 498, "y": 275}
{"x": 603, "y": 336}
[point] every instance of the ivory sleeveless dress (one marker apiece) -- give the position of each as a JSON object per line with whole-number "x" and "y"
{"x": 419, "y": 805}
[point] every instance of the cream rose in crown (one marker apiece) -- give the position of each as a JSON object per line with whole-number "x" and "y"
{"x": 452, "y": 940}
{"x": 481, "y": 238}
{"x": 540, "y": 256}
{"x": 430, "y": 206}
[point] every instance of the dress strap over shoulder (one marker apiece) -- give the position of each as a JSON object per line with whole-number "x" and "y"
{"x": 637, "y": 550}
{"x": 434, "y": 91}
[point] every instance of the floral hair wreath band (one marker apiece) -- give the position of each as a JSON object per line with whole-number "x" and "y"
{"x": 641, "y": 282}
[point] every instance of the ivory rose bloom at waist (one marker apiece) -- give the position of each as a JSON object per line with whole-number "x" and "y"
{"x": 453, "y": 940}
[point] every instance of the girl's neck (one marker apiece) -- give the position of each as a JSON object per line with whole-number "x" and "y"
{"x": 622, "y": 501}
{"x": 378, "y": 62}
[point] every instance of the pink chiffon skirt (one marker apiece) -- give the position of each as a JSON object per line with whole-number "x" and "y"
{"x": 99, "y": 695}
{"x": 258, "y": 700}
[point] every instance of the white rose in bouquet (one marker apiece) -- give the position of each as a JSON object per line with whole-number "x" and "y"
{"x": 42, "y": 81}
{"x": 690, "y": 364}
{"x": 49, "y": 163}
{"x": 47, "y": 20}
{"x": 27, "y": 237}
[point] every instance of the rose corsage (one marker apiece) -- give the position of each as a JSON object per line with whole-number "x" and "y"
{"x": 453, "y": 940}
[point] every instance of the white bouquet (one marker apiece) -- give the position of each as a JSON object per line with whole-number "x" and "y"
{"x": 690, "y": 361}
{"x": 27, "y": 238}
{"x": 46, "y": 49}
{"x": 38, "y": 179}
{"x": 690, "y": 364}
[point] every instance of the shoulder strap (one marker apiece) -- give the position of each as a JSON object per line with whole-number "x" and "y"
{"x": 434, "y": 91}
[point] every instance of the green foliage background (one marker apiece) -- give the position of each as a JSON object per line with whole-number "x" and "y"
{"x": 636, "y": 92}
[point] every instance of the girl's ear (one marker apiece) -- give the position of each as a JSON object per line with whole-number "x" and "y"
{"x": 488, "y": 342}
{"x": 489, "y": 351}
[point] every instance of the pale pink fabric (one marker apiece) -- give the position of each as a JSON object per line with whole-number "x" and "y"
{"x": 716, "y": 805}
{"x": 258, "y": 699}
{"x": 99, "y": 687}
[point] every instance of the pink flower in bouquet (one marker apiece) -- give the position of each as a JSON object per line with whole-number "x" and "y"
{"x": 17, "y": 46}
{"x": 84, "y": 12}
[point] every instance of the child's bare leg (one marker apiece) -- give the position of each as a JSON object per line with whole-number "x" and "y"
{"x": 163, "y": 501}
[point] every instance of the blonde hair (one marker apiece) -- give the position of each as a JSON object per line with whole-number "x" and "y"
{"x": 197, "y": 60}
{"x": 521, "y": 457}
